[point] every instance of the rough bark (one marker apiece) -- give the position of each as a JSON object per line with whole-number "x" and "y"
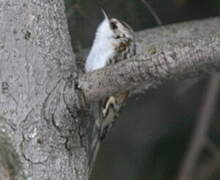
{"x": 170, "y": 52}
{"x": 38, "y": 129}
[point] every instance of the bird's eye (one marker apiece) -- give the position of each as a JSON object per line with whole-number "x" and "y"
{"x": 113, "y": 25}
{"x": 117, "y": 37}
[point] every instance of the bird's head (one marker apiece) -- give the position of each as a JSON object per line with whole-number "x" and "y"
{"x": 113, "y": 29}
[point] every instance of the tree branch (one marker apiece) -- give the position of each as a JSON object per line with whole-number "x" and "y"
{"x": 170, "y": 52}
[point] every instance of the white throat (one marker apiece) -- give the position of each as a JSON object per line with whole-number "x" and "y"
{"x": 102, "y": 49}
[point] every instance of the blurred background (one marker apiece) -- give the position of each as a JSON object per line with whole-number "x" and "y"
{"x": 151, "y": 140}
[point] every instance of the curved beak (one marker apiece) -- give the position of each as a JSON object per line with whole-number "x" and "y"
{"x": 105, "y": 15}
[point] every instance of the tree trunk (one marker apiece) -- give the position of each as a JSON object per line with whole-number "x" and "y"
{"x": 40, "y": 134}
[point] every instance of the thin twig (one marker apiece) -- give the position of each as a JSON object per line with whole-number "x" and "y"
{"x": 200, "y": 134}
{"x": 153, "y": 13}
{"x": 212, "y": 148}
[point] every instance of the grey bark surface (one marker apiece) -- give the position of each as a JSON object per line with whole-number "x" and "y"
{"x": 35, "y": 120}
{"x": 171, "y": 52}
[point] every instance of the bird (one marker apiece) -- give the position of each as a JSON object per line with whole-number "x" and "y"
{"x": 114, "y": 42}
